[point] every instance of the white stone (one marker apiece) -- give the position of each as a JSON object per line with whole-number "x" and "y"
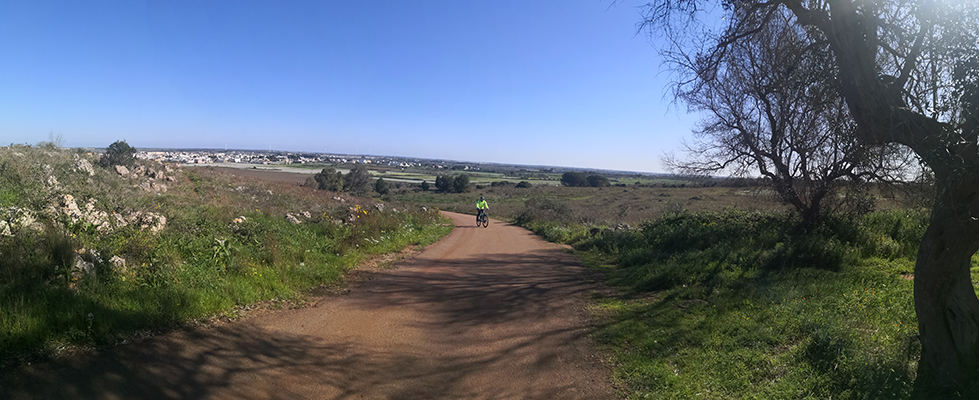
{"x": 118, "y": 263}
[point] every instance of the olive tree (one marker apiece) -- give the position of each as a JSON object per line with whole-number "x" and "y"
{"x": 907, "y": 71}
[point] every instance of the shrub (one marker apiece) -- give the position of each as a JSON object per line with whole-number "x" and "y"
{"x": 452, "y": 184}
{"x": 461, "y": 184}
{"x": 329, "y": 179}
{"x": 598, "y": 181}
{"x": 445, "y": 183}
{"x": 381, "y": 186}
{"x": 357, "y": 181}
{"x": 118, "y": 153}
{"x": 545, "y": 210}
{"x": 574, "y": 179}
{"x": 580, "y": 179}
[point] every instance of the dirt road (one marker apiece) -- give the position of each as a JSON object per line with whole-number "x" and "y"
{"x": 487, "y": 313}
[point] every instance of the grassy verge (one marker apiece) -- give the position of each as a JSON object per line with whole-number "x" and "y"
{"x": 155, "y": 248}
{"x": 736, "y": 304}
{"x": 592, "y": 207}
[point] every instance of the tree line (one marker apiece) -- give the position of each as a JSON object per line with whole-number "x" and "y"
{"x": 580, "y": 179}
{"x": 357, "y": 181}
{"x": 452, "y": 184}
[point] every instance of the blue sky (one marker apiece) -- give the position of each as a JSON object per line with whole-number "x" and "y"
{"x": 549, "y": 82}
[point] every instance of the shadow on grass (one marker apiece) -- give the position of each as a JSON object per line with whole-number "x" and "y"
{"x": 484, "y": 320}
{"x": 674, "y": 341}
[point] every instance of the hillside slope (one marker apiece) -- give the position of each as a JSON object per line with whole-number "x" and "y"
{"x": 92, "y": 255}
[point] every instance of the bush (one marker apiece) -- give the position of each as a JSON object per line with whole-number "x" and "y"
{"x": 357, "y": 181}
{"x": 329, "y": 179}
{"x": 381, "y": 186}
{"x": 461, "y": 184}
{"x": 445, "y": 183}
{"x": 598, "y": 181}
{"x": 544, "y": 210}
{"x": 574, "y": 179}
{"x": 580, "y": 179}
{"x": 452, "y": 184}
{"x": 523, "y": 185}
{"x": 118, "y": 153}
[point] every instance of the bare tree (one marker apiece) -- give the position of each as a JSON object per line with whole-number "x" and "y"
{"x": 907, "y": 71}
{"x": 773, "y": 109}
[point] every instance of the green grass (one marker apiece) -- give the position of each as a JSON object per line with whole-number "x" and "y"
{"x": 805, "y": 334}
{"x": 206, "y": 261}
{"x": 735, "y": 304}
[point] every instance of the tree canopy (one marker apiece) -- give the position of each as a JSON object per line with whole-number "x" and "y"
{"x": 329, "y": 179}
{"x": 381, "y": 186}
{"x": 118, "y": 153}
{"x": 580, "y": 179}
{"x": 452, "y": 184}
{"x": 357, "y": 181}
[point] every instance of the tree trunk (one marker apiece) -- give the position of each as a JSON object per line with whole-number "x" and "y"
{"x": 944, "y": 297}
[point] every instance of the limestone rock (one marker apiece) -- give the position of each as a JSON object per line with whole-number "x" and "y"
{"x": 82, "y": 165}
{"x": 82, "y": 268}
{"x": 118, "y": 263}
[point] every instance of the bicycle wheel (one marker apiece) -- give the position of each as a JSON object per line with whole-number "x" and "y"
{"x": 485, "y": 222}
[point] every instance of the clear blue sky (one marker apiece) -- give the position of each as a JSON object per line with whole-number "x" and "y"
{"x": 555, "y": 82}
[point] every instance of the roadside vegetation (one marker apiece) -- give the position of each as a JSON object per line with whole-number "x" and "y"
{"x": 723, "y": 292}
{"x": 739, "y": 304}
{"x": 93, "y": 254}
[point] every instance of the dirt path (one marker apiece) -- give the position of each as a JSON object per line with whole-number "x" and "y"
{"x": 487, "y": 313}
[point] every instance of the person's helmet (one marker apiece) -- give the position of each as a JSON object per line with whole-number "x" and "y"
{"x": 480, "y": 197}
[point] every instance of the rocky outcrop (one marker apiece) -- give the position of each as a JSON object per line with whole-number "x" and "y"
{"x": 13, "y": 219}
{"x": 103, "y": 221}
{"x": 82, "y": 165}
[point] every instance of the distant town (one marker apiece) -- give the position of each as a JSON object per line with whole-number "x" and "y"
{"x": 273, "y": 157}
{"x": 204, "y": 156}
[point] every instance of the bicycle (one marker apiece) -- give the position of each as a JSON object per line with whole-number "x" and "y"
{"x": 482, "y": 219}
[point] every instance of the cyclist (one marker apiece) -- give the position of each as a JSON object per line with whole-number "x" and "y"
{"x": 481, "y": 208}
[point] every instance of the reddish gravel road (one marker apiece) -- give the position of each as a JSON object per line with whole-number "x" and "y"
{"x": 487, "y": 313}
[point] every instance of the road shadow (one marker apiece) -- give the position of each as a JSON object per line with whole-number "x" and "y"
{"x": 491, "y": 289}
{"x": 491, "y": 313}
